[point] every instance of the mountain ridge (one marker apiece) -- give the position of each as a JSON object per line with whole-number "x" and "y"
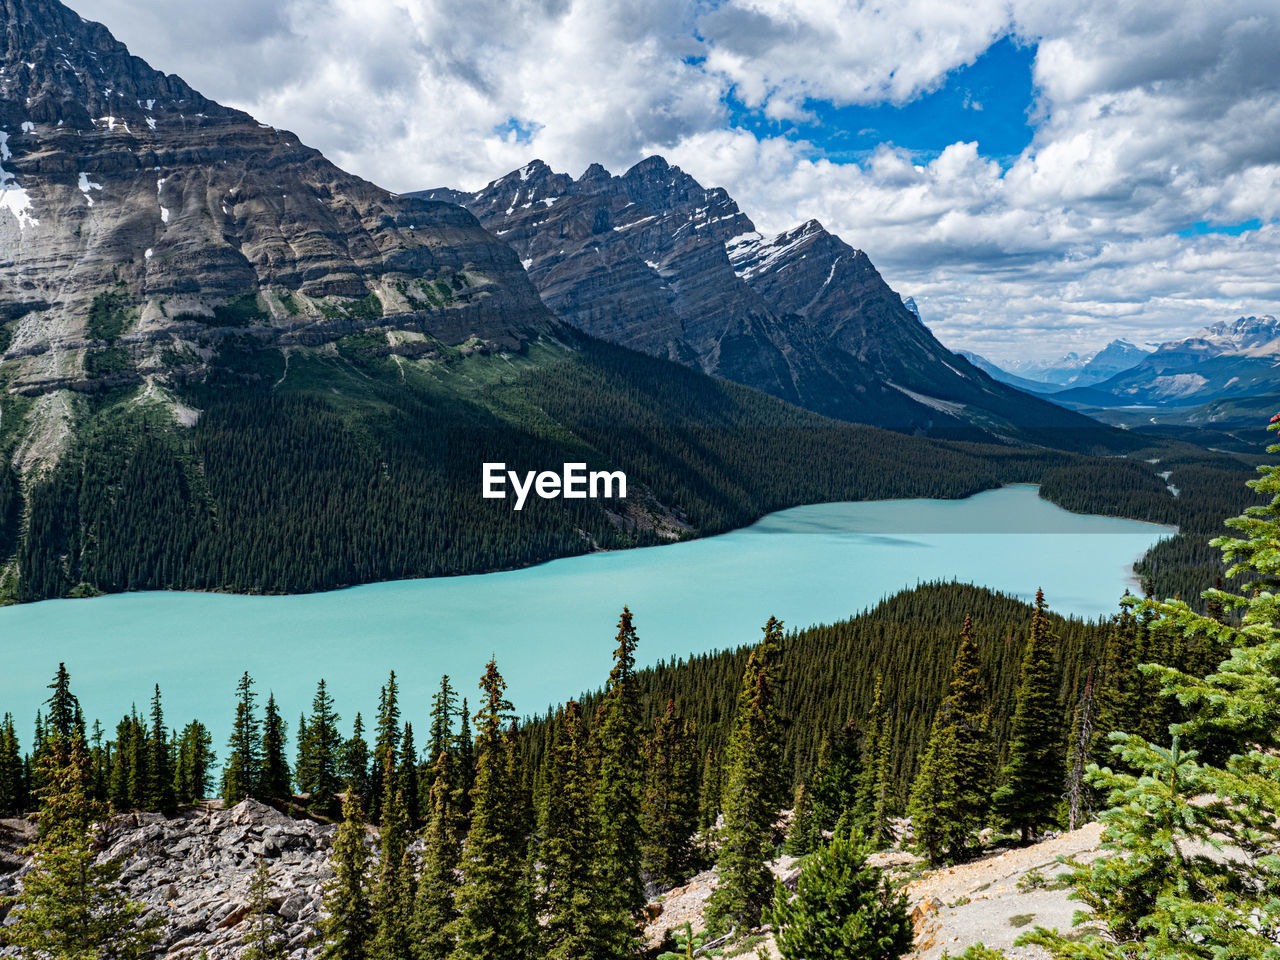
{"x": 654, "y": 261}
{"x": 1226, "y": 359}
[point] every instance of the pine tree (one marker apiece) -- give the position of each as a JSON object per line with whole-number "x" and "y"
{"x": 277, "y": 783}
{"x": 13, "y": 788}
{"x": 616, "y": 871}
{"x": 70, "y": 905}
{"x": 443, "y": 709}
{"x": 751, "y": 793}
{"x": 407, "y": 777}
{"x": 195, "y": 759}
{"x": 1079, "y": 796}
{"x": 709, "y": 792}
{"x": 265, "y": 939}
{"x": 159, "y": 791}
{"x": 669, "y": 808}
{"x": 130, "y": 782}
{"x": 950, "y": 796}
{"x": 521, "y": 826}
{"x": 243, "y": 772}
{"x": 802, "y": 833}
{"x": 347, "y": 924}
{"x": 835, "y": 789}
{"x": 466, "y": 761}
{"x": 844, "y": 908}
{"x": 302, "y": 765}
{"x": 568, "y": 851}
{"x": 354, "y": 770}
{"x": 393, "y": 891}
{"x": 493, "y": 920}
{"x": 434, "y": 911}
{"x": 933, "y": 794}
{"x": 321, "y": 777}
{"x": 386, "y": 745}
{"x": 873, "y": 807}
{"x": 118, "y": 780}
{"x": 138, "y": 759}
{"x": 63, "y": 721}
{"x": 100, "y": 762}
{"x": 440, "y": 740}
{"x": 1027, "y": 800}
{"x": 1119, "y": 696}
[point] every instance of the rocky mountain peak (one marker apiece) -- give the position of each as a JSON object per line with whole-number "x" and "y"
{"x": 1243, "y": 332}
{"x": 63, "y": 68}
{"x": 652, "y": 168}
{"x": 593, "y": 176}
{"x": 654, "y": 260}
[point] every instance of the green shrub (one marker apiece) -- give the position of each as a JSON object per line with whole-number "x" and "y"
{"x": 1032, "y": 880}
{"x": 241, "y": 311}
{"x": 107, "y": 318}
{"x": 979, "y": 951}
{"x": 370, "y": 308}
{"x": 843, "y": 909}
{"x": 105, "y": 360}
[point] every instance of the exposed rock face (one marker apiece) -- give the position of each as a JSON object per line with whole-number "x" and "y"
{"x": 655, "y": 261}
{"x": 193, "y": 870}
{"x": 118, "y": 179}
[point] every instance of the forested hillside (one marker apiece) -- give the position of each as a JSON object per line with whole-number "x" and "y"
{"x": 905, "y": 645}
{"x": 313, "y": 469}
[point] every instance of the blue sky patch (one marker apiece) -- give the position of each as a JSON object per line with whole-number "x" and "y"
{"x": 989, "y": 101}
{"x": 524, "y": 132}
{"x": 1201, "y": 227}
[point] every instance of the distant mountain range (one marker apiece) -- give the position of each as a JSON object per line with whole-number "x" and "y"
{"x": 1228, "y": 359}
{"x": 1072, "y": 370}
{"x": 655, "y": 261}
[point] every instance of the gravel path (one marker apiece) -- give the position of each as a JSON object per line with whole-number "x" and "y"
{"x": 952, "y": 908}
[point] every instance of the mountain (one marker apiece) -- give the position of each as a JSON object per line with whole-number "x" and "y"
{"x": 1237, "y": 358}
{"x": 1004, "y": 376}
{"x": 1048, "y": 373}
{"x": 147, "y": 227}
{"x": 1072, "y": 370}
{"x": 1116, "y": 357}
{"x": 229, "y": 365}
{"x": 655, "y": 261}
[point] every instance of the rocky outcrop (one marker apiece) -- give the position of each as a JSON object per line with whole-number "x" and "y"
{"x": 653, "y": 260}
{"x": 143, "y": 225}
{"x": 193, "y": 872}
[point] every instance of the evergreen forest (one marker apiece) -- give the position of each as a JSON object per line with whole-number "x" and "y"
{"x": 948, "y": 720}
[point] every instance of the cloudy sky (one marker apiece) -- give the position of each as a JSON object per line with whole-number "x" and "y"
{"x": 1041, "y": 175}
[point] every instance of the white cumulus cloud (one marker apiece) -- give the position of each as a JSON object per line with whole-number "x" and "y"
{"x": 1149, "y": 117}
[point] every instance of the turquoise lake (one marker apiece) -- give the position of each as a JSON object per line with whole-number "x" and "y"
{"x": 551, "y": 627}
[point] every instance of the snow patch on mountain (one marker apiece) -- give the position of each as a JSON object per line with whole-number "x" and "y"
{"x": 87, "y": 185}
{"x": 13, "y": 198}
